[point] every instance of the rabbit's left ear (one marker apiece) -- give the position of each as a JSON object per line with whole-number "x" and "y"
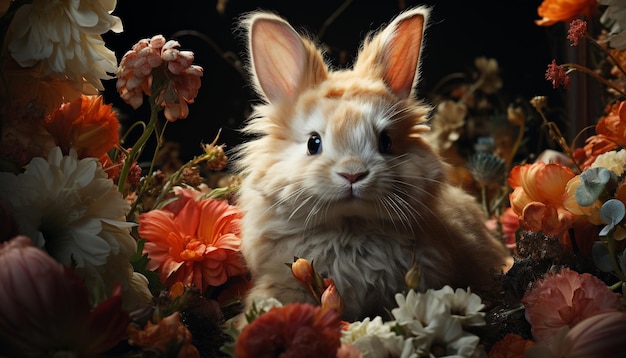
{"x": 395, "y": 51}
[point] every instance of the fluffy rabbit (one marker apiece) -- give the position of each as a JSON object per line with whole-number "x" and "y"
{"x": 338, "y": 173}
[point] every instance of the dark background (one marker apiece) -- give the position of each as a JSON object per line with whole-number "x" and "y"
{"x": 459, "y": 31}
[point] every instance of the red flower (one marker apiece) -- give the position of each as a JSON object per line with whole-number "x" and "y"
{"x": 294, "y": 330}
{"x": 85, "y": 124}
{"x": 577, "y": 30}
{"x": 511, "y": 346}
{"x": 611, "y": 133}
{"x": 563, "y": 299}
{"x": 193, "y": 241}
{"x": 45, "y": 307}
{"x": 169, "y": 336}
{"x": 557, "y": 75}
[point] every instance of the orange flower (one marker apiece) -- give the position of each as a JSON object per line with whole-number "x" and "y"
{"x": 553, "y": 11}
{"x": 537, "y": 197}
{"x": 167, "y": 335}
{"x": 45, "y": 306}
{"x": 562, "y": 299}
{"x": 611, "y": 134}
{"x": 193, "y": 241}
{"x": 295, "y": 330}
{"x": 85, "y": 124}
{"x": 511, "y": 346}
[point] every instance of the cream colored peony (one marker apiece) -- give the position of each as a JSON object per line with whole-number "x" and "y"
{"x": 65, "y": 35}
{"x": 71, "y": 209}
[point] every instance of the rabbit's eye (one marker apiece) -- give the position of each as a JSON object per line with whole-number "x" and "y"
{"x": 385, "y": 143}
{"x": 314, "y": 144}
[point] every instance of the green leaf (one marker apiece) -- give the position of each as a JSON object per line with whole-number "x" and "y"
{"x": 139, "y": 260}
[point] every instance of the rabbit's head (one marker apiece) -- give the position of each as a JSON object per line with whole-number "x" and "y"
{"x": 330, "y": 144}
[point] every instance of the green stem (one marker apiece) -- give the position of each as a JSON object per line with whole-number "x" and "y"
{"x": 138, "y": 146}
{"x": 611, "y": 246}
{"x": 596, "y": 76}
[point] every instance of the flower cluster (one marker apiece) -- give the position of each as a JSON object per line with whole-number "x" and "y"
{"x": 104, "y": 257}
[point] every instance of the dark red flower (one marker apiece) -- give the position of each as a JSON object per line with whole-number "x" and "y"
{"x": 294, "y": 330}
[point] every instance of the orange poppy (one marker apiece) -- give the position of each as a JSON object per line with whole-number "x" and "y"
{"x": 553, "y": 11}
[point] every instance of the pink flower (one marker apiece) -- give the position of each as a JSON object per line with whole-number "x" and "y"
{"x": 601, "y": 335}
{"x": 156, "y": 64}
{"x": 44, "y": 307}
{"x": 194, "y": 241}
{"x": 577, "y": 30}
{"x": 562, "y": 299}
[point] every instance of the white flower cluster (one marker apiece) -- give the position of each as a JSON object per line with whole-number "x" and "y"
{"x": 69, "y": 208}
{"x": 429, "y": 324}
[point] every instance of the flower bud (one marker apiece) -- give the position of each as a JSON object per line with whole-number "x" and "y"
{"x": 332, "y": 299}
{"x": 413, "y": 276}
{"x": 302, "y": 270}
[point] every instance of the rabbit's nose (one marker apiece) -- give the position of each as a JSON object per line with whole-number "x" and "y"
{"x": 354, "y": 177}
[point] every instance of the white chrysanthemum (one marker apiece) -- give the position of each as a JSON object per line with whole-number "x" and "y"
{"x": 416, "y": 311}
{"x": 72, "y": 210}
{"x": 374, "y": 338}
{"x": 66, "y": 36}
{"x": 464, "y": 305}
{"x": 614, "y": 161}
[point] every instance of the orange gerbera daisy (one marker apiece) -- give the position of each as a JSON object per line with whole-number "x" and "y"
{"x": 194, "y": 241}
{"x": 553, "y": 11}
{"x": 85, "y": 124}
{"x": 537, "y": 197}
{"x": 295, "y": 330}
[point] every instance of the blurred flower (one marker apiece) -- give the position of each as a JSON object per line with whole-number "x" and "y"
{"x": 447, "y": 123}
{"x": 510, "y": 223}
{"x": 488, "y": 68}
{"x": 614, "y": 161}
{"x": 600, "y": 335}
{"x": 487, "y": 168}
{"x": 557, "y": 75}
{"x": 296, "y": 329}
{"x": 537, "y": 197}
{"x": 562, "y": 299}
{"x": 72, "y": 210}
{"x": 169, "y": 337}
{"x": 193, "y": 240}
{"x": 45, "y": 309}
{"x": 85, "y": 124}
{"x": 576, "y": 31}
{"x": 511, "y": 346}
{"x": 374, "y": 337}
{"x": 614, "y": 18}
{"x": 156, "y": 65}
{"x": 65, "y": 37}
{"x": 553, "y": 11}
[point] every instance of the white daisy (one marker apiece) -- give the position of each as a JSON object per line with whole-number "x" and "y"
{"x": 416, "y": 311}
{"x": 374, "y": 338}
{"x": 464, "y": 305}
{"x": 65, "y": 35}
{"x": 72, "y": 210}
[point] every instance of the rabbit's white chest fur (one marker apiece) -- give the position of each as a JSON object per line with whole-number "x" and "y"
{"x": 339, "y": 174}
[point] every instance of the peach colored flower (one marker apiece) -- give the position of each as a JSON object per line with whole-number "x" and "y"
{"x": 511, "y": 346}
{"x": 295, "y": 330}
{"x": 45, "y": 308}
{"x": 562, "y": 299}
{"x": 193, "y": 240}
{"x": 157, "y": 65}
{"x": 510, "y": 223}
{"x": 169, "y": 336}
{"x": 601, "y": 335}
{"x": 86, "y": 124}
{"x": 553, "y": 11}
{"x": 537, "y": 197}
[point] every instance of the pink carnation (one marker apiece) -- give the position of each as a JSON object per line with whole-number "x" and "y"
{"x": 562, "y": 299}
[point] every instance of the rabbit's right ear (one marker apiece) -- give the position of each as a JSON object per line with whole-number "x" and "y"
{"x": 282, "y": 63}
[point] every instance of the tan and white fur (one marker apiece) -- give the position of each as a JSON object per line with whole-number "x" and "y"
{"x": 372, "y": 198}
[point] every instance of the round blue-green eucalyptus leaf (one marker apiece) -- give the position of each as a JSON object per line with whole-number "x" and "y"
{"x": 600, "y": 256}
{"x": 612, "y": 212}
{"x": 592, "y": 183}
